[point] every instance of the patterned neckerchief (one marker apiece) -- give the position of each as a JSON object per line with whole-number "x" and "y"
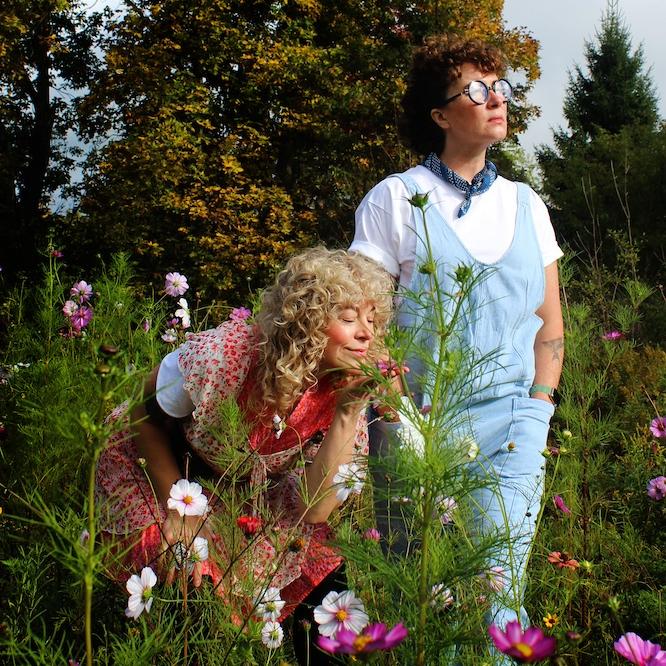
{"x": 480, "y": 183}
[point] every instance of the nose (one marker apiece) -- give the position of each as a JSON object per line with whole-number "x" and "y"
{"x": 365, "y": 331}
{"x": 494, "y": 98}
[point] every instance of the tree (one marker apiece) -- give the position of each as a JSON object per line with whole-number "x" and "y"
{"x": 604, "y": 175}
{"x": 241, "y": 130}
{"x": 44, "y": 47}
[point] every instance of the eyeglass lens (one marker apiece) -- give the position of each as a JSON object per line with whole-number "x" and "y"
{"x": 478, "y": 90}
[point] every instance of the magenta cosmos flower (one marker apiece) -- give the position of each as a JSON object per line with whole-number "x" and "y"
{"x": 637, "y": 651}
{"x": 656, "y": 488}
{"x": 374, "y": 637}
{"x": 525, "y": 647}
{"x": 175, "y": 284}
{"x": 658, "y": 426}
{"x": 240, "y": 314}
{"x": 613, "y": 336}
{"x": 561, "y": 505}
{"x": 81, "y": 318}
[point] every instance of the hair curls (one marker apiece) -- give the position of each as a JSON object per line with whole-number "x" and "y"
{"x": 295, "y": 311}
{"x": 436, "y": 65}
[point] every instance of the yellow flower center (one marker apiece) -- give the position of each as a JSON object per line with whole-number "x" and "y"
{"x": 187, "y": 499}
{"x": 361, "y": 641}
{"x": 341, "y": 615}
{"x": 524, "y": 649}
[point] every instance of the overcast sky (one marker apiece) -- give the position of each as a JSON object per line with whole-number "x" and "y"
{"x": 562, "y": 27}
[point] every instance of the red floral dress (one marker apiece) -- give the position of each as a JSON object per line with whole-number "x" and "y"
{"x": 289, "y": 553}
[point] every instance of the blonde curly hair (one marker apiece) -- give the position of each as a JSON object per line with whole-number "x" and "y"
{"x": 312, "y": 289}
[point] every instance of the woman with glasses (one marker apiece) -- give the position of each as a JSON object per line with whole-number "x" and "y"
{"x": 454, "y": 108}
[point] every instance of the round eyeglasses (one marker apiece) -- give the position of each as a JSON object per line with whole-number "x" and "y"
{"x": 478, "y": 91}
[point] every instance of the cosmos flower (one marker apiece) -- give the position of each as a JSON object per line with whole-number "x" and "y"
{"x": 170, "y": 335}
{"x": 349, "y": 479}
{"x": 272, "y": 635}
{"x": 69, "y": 308}
{"x": 561, "y": 505}
{"x": 372, "y": 534}
{"x": 141, "y": 592}
{"x": 249, "y": 524}
{"x": 240, "y": 314}
{"x": 81, "y": 318}
{"x": 340, "y": 610}
{"x": 562, "y": 560}
{"x": 269, "y": 605}
{"x": 81, "y": 291}
{"x": 495, "y": 578}
{"x": 183, "y": 313}
{"x": 374, "y": 637}
{"x": 440, "y": 596}
{"x": 525, "y": 647}
{"x": 187, "y": 498}
{"x": 613, "y": 336}
{"x": 656, "y": 488}
{"x": 658, "y": 426}
{"x": 637, "y": 651}
{"x": 175, "y": 284}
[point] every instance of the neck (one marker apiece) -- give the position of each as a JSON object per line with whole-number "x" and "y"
{"x": 466, "y": 164}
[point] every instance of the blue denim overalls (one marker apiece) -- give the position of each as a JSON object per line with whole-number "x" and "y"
{"x": 498, "y": 333}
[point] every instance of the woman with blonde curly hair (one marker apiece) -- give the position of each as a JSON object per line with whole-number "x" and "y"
{"x": 298, "y": 373}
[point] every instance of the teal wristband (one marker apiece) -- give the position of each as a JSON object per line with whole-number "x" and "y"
{"x": 542, "y": 388}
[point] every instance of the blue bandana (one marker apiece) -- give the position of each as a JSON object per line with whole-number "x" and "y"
{"x": 480, "y": 183}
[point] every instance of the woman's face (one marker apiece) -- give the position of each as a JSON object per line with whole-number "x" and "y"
{"x": 349, "y": 337}
{"x": 469, "y": 126}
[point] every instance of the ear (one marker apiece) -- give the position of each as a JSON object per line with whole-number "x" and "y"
{"x": 439, "y": 118}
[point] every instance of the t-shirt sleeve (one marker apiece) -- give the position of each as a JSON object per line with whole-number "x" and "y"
{"x": 382, "y": 229}
{"x": 550, "y": 250}
{"x": 171, "y": 395}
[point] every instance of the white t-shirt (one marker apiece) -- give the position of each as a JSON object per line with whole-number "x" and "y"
{"x": 385, "y": 228}
{"x": 170, "y": 394}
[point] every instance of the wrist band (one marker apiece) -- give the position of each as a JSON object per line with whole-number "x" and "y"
{"x": 542, "y": 388}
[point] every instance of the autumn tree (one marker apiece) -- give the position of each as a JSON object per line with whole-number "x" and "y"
{"x": 44, "y": 49}
{"x": 240, "y": 130}
{"x": 605, "y": 173}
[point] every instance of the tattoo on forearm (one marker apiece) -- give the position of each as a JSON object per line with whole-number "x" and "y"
{"x": 556, "y": 346}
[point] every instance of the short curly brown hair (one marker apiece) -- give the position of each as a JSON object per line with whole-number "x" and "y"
{"x": 436, "y": 65}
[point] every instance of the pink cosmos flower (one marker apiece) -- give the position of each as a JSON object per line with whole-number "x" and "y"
{"x": 637, "y": 651}
{"x": 57, "y": 254}
{"x": 175, "y": 284}
{"x": 658, "y": 426}
{"x": 170, "y": 335}
{"x": 495, "y": 578}
{"x": 374, "y": 637}
{"x": 562, "y": 560}
{"x": 372, "y": 534}
{"x": 146, "y": 324}
{"x": 613, "y": 336}
{"x": 340, "y": 610}
{"x": 560, "y": 504}
{"x": 81, "y": 291}
{"x": 69, "y": 308}
{"x": 525, "y": 647}
{"x": 656, "y": 488}
{"x": 81, "y": 318}
{"x": 240, "y": 314}
{"x": 447, "y": 507}
{"x": 187, "y": 498}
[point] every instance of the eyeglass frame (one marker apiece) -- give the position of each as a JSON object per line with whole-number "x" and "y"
{"x": 465, "y": 91}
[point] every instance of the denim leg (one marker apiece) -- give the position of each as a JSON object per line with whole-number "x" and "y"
{"x": 510, "y": 458}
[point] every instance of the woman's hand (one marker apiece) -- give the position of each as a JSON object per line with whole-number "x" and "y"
{"x": 178, "y": 534}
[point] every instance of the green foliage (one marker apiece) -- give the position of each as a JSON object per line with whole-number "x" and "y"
{"x": 240, "y": 131}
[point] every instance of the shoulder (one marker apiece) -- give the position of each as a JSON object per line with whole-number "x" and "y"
{"x": 217, "y": 360}
{"x": 396, "y": 189}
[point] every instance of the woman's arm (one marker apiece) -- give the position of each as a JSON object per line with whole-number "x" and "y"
{"x": 152, "y": 436}
{"x": 549, "y": 342}
{"x": 336, "y": 449}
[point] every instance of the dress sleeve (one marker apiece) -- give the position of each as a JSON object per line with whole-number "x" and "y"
{"x": 214, "y": 365}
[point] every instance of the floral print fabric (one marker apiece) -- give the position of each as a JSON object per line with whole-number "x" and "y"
{"x": 291, "y": 555}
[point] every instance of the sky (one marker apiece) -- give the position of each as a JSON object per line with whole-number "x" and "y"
{"x": 562, "y": 27}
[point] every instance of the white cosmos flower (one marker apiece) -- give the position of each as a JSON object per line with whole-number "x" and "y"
{"x": 272, "y": 635}
{"x": 187, "y": 498}
{"x": 199, "y": 550}
{"x": 183, "y": 313}
{"x": 441, "y": 596}
{"x": 170, "y": 335}
{"x": 408, "y": 431}
{"x": 495, "y": 578}
{"x": 141, "y": 592}
{"x": 269, "y": 604}
{"x": 340, "y": 609}
{"x": 349, "y": 479}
